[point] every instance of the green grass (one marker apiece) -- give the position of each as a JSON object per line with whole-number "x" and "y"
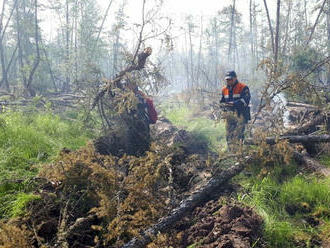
{"x": 27, "y": 140}
{"x": 325, "y": 160}
{"x": 20, "y": 203}
{"x": 202, "y": 127}
{"x": 271, "y": 199}
{"x": 315, "y": 192}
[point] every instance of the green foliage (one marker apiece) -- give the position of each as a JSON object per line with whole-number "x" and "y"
{"x": 325, "y": 160}
{"x": 21, "y": 202}
{"x": 312, "y": 191}
{"x": 304, "y": 59}
{"x": 203, "y": 128}
{"x": 285, "y": 206}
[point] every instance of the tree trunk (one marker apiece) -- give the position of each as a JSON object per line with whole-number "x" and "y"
{"x": 2, "y": 55}
{"x": 255, "y": 34}
{"x": 216, "y": 56}
{"x": 316, "y": 22}
{"x": 302, "y": 105}
{"x": 231, "y": 33}
{"x": 102, "y": 24}
{"x": 293, "y": 139}
{"x": 277, "y": 34}
{"x": 251, "y": 29}
{"x": 5, "y": 68}
{"x": 328, "y": 41}
{"x": 37, "y": 59}
{"x": 270, "y": 27}
{"x": 66, "y": 86}
{"x": 8, "y": 68}
{"x": 50, "y": 70}
{"x": 309, "y": 127}
{"x": 287, "y": 28}
{"x": 20, "y": 49}
{"x": 305, "y": 13}
{"x": 188, "y": 205}
{"x": 190, "y": 30}
{"x": 199, "y": 52}
{"x": 4, "y": 79}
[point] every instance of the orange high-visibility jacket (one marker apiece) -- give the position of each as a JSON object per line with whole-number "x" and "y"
{"x": 239, "y": 94}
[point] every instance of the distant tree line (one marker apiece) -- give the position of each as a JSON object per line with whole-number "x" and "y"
{"x": 294, "y": 37}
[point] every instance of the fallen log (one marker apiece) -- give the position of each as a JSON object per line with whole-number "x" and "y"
{"x": 293, "y": 139}
{"x": 309, "y": 127}
{"x": 302, "y": 105}
{"x": 186, "y": 206}
{"x": 311, "y": 164}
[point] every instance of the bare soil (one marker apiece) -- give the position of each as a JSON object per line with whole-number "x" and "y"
{"x": 227, "y": 226}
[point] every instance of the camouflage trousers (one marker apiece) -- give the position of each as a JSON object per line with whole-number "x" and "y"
{"x": 235, "y": 127}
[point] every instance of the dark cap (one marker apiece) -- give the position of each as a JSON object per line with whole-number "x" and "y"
{"x": 230, "y": 74}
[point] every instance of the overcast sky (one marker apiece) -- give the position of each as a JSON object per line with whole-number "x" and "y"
{"x": 174, "y": 9}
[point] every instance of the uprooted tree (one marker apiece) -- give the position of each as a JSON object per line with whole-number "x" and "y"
{"x": 123, "y": 116}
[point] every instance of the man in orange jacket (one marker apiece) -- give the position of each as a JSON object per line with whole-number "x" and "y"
{"x": 236, "y": 97}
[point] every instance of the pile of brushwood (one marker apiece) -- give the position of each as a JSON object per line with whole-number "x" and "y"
{"x": 91, "y": 200}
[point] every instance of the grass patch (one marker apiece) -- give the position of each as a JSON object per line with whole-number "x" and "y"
{"x": 20, "y": 203}
{"x": 202, "y": 127}
{"x": 286, "y": 206}
{"x": 26, "y": 141}
{"x": 325, "y": 160}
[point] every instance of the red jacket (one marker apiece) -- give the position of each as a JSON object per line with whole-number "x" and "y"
{"x": 153, "y": 117}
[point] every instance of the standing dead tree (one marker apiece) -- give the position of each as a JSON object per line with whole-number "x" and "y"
{"x": 270, "y": 26}
{"x": 277, "y": 33}
{"x": 3, "y": 28}
{"x": 37, "y": 58}
{"x": 316, "y": 22}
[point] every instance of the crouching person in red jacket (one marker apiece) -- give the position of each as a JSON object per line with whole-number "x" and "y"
{"x": 135, "y": 125}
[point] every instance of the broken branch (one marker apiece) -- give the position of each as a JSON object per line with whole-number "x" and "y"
{"x": 142, "y": 57}
{"x": 186, "y": 206}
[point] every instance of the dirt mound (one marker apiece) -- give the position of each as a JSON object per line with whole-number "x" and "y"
{"x": 166, "y": 133}
{"x": 134, "y": 138}
{"x": 227, "y": 226}
{"x": 128, "y": 136}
